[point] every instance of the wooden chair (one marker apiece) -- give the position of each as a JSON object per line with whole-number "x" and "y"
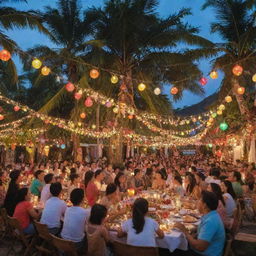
{"x": 250, "y": 238}
{"x": 121, "y": 249}
{"x": 64, "y": 246}
{"x": 228, "y": 249}
{"x": 4, "y": 224}
{"x": 18, "y": 235}
{"x": 237, "y": 220}
{"x": 45, "y": 247}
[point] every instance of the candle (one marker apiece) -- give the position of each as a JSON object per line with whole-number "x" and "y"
{"x": 131, "y": 191}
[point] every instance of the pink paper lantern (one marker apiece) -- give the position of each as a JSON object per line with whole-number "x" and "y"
{"x": 70, "y": 87}
{"x": 78, "y": 96}
{"x": 88, "y": 102}
{"x": 203, "y": 81}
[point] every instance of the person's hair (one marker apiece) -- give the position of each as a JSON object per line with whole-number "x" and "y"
{"x": 111, "y": 188}
{"x": 73, "y": 176}
{"x": 117, "y": 178}
{"x": 77, "y": 196}
{"x": 140, "y": 208}
{"x": 200, "y": 175}
{"x": 193, "y": 169}
{"x": 192, "y": 182}
{"x": 136, "y": 171}
{"x": 163, "y": 174}
{"x": 178, "y": 178}
{"x": 215, "y": 172}
{"x": 210, "y": 199}
{"x": 88, "y": 177}
{"x": 238, "y": 176}
{"x": 72, "y": 171}
{"x": 21, "y": 195}
{"x": 37, "y": 173}
{"x": 217, "y": 191}
{"x": 149, "y": 171}
{"x": 98, "y": 213}
{"x": 97, "y": 173}
{"x": 230, "y": 189}
{"x": 14, "y": 175}
{"x": 55, "y": 188}
{"x": 48, "y": 178}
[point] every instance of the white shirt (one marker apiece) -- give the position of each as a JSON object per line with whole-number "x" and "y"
{"x": 144, "y": 238}
{"x": 45, "y": 194}
{"x": 230, "y": 204}
{"x": 53, "y": 212}
{"x": 74, "y": 224}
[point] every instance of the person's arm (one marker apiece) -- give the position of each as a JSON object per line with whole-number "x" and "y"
{"x": 160, "y": 233}
{"x": 121, "y": 233}
{"x": 33, "y": 213}
{"x": 123, "y": 230}
{"x": 105, "y": 234}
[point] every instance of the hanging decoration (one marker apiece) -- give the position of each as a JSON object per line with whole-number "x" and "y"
{"x": 78, "y": 95}
{"x": 203, "y": 81}
{"x": 88, "y": 102}
{"x": 228, "y": 99}
{"x": 214, "y": 74}
{"x": 70, "y": 87}
{"x": 237, "y": 70}
{"x": 5, "y": 55}
{"x": 174, "y": 90}
{"x": 94, "y": 73}
{"x": 222, "y": 107}
{"x": 223, "y": 126}
{"x": 254, "y": 78}
{"x": 16, "y": 108}
{"x": 114, "y": 79}
{"x": 141, "y": 87}
{"x": 157, "y": 91}
{"x": 36, "y": 63}
{"x": 83, "y": 115}
{"x": 45, "y": 71}
{"x": 1, "y": 117}
{"x": 240, "y": 90}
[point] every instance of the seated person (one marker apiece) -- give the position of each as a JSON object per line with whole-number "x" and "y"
{"x": 37, "y": 184}
{"x": 24, "y": 211}
{"x": 211, "y": 233}
{"x": 159, "y": 181}
{"x": 140, "y": 230}
{"x": 97, "y": 233}
{"x": 54, "y": 209}
{"x": 46, "y": 194}
{"x": 111, "y": 197}
{"x": 74, "y": 221}
{"x": 136, "y": 181}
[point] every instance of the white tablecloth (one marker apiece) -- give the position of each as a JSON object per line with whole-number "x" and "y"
{"x": 171, "y": 241}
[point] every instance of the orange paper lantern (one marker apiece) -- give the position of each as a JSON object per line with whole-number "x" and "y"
{"x": 237, "y": 70}
{"x": 45, "y": 71}
{"x": 174, "y": 90}
{"x": 241, "y": 90}
{"x": 5, "y": 55}
{"x": 16, "y": 108}
{"x": 83, "y": 115}
{"x": 94, "y": 73}
{"x": 1, "y": 117}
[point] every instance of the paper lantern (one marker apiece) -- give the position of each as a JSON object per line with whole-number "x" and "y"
{"x": 219, "y": 112}
{"x": 203, "y": 81}
{"x": 141, "y": 87}
{"x": 5, "y": 55}
{"x": 78, "y": 95}
{"x": 214, "y": 74}
{"x": 1, "y": 117}
{"x": 210, "y": 145}
{"x": 237, "y": 70}
{"x": 157, "y": 91}
{"x": 214, "y": 115}
{"x": 130, "y": 117}
{"x": 115, "y": 110}
{"x": 174, "y": 90}
{"x": 222, "y": 107}
{"x": 223, "y": 126}
{"x": 211, "y": 119}
{"x": 16, "y": 108}
{"x": 131, "y": 191}
{"x": 114, "y": 79}
{"x": 228, "y": 99}
{"x": 36, "y": 63}
{"x": 108, "y": 104}
{"x": 94, "y": 126}
{"x": 241, "y": 90}
{"x": 45, "y": 71}
{"x": 13, "y": 146}
{"x": 88, "y": 102}
{"x": 94, "y": 73}
{"x": 254, "y": 78}
{"x": 83, "y": 115}
{"x": 70, "y": 87}
{"x": 62, "y": 146}
{"x": 79, "y": 124}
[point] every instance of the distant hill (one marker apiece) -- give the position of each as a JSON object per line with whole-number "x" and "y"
{"x": 198, "y": 108}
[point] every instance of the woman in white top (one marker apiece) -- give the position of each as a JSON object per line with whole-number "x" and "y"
{"x": 229, "y": 197}
{"x": 140, "y": 230}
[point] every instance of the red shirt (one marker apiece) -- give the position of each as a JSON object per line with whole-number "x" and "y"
{"x": 92, "y": 193}
{"x": 21, "y": 213}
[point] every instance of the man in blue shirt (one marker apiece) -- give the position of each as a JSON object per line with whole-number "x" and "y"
{"x": 211, "y": 233}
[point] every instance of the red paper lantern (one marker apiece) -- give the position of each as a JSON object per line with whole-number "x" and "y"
{"x": 5, "y": 55}
{"x": 203, "y": 81}
{"x": 78, "y": 96}
{"x": 237, "y": 70}
{"x": 1, "y": 117}
{"x": 174, "y": 90}
{"x": 83, "y": 115}
{"x": 70, "y": 87}
{"x": 88, "y": 102}
{"x": 16, "y": 108}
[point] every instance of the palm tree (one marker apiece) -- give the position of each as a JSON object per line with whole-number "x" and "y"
{"x": 141, "y": 46}
{"x": 236, "y": 25}
{"x": 12, "y": 18}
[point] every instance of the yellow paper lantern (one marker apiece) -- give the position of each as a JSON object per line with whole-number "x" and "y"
{"x": 141, "y": 87}
{"x": 157, "y": 91}
{"x": 254, "y": 78}
{"x": 241, "y": 90}
{"x": 228, "y": 99}
{"x": 94, "y": 126}
{"x": 36, "y": 63}
{"x": 214, "y": 74}
{"x": 115, "y": 110}
{"x": 45, "y": 71}
{"x": 210, "y": 120}
{"x": 219, "y": 112}
{"x": 94, "y": 73}
{"x": 114, "y": 79}
{"x": 222, "y": 107}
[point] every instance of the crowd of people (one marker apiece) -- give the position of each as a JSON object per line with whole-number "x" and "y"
{"x": 78, "y": 198}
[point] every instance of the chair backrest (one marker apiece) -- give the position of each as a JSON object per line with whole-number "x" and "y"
{"x": 228, "y": 243}
{"x": 237, "y": 219}
{"x": 121, "y": 249}
{"x": 43, "y": 231}
{"x": 66, "y": 246}
{"x": 3, "y": 214}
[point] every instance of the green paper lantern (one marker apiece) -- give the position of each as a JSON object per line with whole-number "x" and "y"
{"x": 214, "y": 115}
{"x": 224, "y": 126}
{"x": 210, "y": 145}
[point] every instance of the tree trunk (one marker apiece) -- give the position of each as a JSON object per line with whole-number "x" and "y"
{"x": 116, "y": 148}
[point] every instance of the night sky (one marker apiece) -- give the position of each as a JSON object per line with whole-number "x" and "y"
{"x": 201, "y": 19}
